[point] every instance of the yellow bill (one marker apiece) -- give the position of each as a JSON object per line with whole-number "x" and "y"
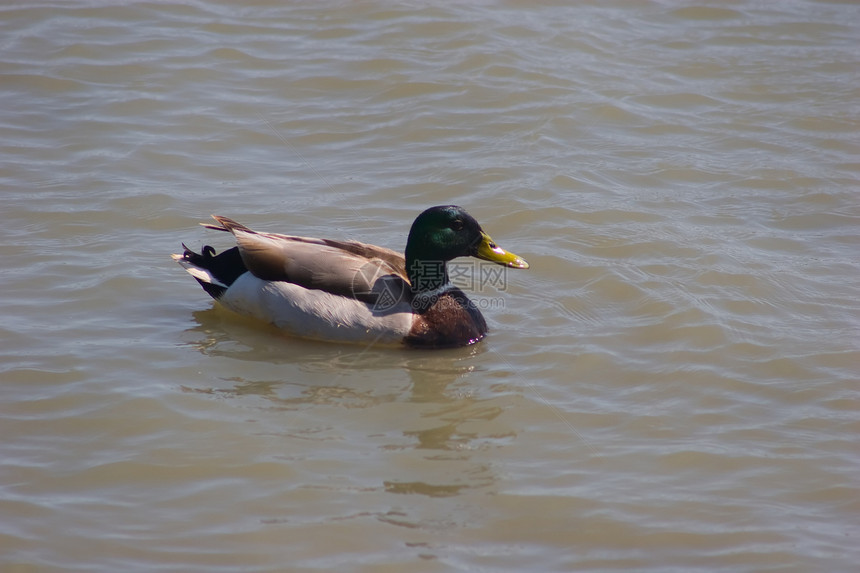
{"x": 488, "y": 250}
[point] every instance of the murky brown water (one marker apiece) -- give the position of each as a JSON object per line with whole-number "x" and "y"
{"x": 673, "y": 386}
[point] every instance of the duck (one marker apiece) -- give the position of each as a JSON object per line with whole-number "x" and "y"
{"x": 353, "y": 292}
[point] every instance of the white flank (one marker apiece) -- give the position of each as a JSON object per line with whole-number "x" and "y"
{"x": 316, "y": 314}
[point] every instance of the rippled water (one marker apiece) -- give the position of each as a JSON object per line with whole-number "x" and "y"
{"x": 673, "y": 385}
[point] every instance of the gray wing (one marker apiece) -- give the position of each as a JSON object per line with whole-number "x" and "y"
{"x": 346, "y": 268}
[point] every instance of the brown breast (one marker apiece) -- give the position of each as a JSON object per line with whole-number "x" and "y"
{"x": 447, "y": 321}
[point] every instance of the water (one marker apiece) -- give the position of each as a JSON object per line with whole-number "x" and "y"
{"x": 672, "y": 386}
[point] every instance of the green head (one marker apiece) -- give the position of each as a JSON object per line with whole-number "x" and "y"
{"x": 446, "y": 232}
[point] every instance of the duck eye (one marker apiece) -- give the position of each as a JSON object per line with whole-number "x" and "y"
{"x": 457, "y": 225}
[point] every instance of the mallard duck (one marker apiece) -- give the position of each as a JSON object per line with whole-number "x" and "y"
{"x": 349, "y": 291}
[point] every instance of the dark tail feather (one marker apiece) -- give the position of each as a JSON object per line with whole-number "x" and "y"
{"x": 225, "y": 268}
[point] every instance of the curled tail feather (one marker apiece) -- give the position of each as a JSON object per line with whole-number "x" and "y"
{"x": 215, "y": 273}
